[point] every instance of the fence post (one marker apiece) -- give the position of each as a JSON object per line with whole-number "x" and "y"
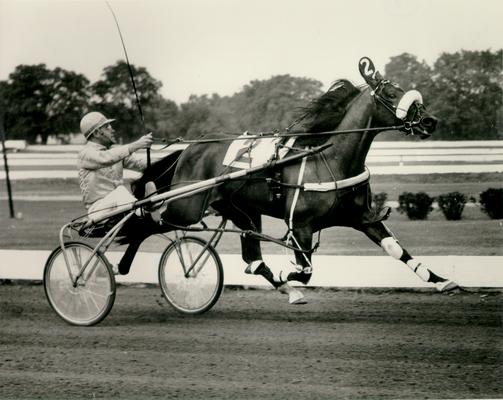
{"x": 6, "y": 165}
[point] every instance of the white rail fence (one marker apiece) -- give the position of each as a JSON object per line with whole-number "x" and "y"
{"x": 59, "y": 161}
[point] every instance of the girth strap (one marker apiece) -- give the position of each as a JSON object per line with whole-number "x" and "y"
{"x": 343, "y": 183}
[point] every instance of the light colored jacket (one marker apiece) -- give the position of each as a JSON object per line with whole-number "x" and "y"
{"x": 101, "y": 170}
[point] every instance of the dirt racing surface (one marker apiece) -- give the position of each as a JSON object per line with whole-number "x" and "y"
{"x": 253, "y": 345}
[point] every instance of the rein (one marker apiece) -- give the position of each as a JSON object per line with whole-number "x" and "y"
{"x": 406, "y": 126}
{"x": 287, "y": 135}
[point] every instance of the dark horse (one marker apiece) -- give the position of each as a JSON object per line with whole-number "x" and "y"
{"x": 326, "y": 189}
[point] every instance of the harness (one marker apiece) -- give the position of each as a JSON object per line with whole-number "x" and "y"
{"x": 334, "y": 184}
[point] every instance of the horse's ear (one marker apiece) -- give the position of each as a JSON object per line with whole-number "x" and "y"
{"x": 369, "y": 72}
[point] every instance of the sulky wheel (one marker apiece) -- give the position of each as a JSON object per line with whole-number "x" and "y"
{"x": 83, "y": 301}
{"x": 191, "y": 275}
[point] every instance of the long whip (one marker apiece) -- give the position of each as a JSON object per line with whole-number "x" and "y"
{"x": 138, "y": 104}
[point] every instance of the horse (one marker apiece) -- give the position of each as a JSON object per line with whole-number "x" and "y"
{"x": 324, "y": 190}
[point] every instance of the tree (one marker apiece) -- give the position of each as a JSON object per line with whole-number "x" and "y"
{"x": 261, "y": 106}
{"x": 203, "y": 114}
{"x": 69, "y": 101}
{"x": 467, "y": 95}
{"x": 39, "y": 101}
{"x": 114, "y": 96}
{"x": 408, "y": 72}
{"x": 161, "y": 116}
{"x": 273, "y": 103}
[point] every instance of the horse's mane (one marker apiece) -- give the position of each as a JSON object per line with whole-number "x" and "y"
{"x": 327, "y": 111}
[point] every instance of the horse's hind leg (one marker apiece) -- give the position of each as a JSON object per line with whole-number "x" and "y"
{"x": 250, "y": 246}
{"x": 381, "y": 235}
{"x": 252, "y": 254}
{"x": 136, "y": 231}
{"x": 128, "y": 257}
{"x": 251, "y": 251}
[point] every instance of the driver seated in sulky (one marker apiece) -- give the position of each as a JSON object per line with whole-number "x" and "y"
{"x": 101, "y": 168}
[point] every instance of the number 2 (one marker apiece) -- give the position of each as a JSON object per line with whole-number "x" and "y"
{"x": 367, "y": 69}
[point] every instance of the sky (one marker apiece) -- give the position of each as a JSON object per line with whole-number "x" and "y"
{"x": 218, "y": 46}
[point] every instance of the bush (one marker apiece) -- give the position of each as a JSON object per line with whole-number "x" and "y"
{"x": 452, "y": 205}
{"x": 379, "y": 200}
{"x": 415, "y": 205}
{"x": 491, "y": 202}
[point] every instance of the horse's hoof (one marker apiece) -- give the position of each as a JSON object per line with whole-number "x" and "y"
{"x": 294, "y": 296}
{"x": 446, "y": 286}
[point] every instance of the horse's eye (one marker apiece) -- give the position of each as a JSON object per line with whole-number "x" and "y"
{"x": 392, "y": 95}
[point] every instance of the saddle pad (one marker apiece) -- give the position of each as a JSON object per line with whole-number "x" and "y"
{"x": 248, "y": 153}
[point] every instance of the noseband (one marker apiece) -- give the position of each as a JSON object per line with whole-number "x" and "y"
{"x": 412, "y": 99}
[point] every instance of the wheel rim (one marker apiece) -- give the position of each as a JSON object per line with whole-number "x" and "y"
{"x": 199, "y": 290}
{"x": 90, "y": 300}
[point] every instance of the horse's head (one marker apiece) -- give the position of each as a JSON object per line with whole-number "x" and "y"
{"x": 394, "y": 105}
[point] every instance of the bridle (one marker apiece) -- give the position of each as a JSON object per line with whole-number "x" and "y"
{"x": 412, "y": 115}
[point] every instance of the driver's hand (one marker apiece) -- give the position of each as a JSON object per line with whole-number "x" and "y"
{"x": 145, "y": 142}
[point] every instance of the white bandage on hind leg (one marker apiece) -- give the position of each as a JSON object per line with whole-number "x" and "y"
{"x": 419, "y": 269}
{"x": 391, "y": 246}
{"x": 252, "y": 267}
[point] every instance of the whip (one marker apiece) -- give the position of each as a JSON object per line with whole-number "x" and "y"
{"x": 138, "y": 104}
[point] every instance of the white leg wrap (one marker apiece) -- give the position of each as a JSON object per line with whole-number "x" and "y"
{"x": 419, "y": 269}
{"x": 391, "y": 246}
{"x": 252, "y": 267}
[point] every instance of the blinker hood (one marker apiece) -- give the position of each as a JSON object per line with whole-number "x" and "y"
{"x": 406, "y": 101}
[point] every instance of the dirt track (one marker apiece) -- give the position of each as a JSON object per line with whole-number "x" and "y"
{"x": 252, "y": 344}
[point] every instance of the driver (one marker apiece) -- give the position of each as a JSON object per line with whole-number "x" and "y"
{"x": 101, "y": 167}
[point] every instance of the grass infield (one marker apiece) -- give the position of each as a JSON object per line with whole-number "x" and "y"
{"x": 475, "y": 234}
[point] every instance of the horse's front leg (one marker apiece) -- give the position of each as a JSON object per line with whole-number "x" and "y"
{"x": 381, "y": 235}
{"x": 302, "y": 239}
{"x": 251, "y": 221}
{"x": 251, "y": 250}
{"x": 252, "y": 255}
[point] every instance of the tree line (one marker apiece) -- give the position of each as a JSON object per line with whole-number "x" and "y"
{"x": 464, "y": 90}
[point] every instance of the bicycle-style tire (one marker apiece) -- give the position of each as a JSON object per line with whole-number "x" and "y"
{"x": 197, "y": 291}
{"x": 88, "y": 302}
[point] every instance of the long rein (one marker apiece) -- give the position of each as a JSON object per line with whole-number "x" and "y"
{"x": 276, "y": 134}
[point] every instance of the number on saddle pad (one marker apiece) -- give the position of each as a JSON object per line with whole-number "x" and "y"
{"x": 251, "y": 152}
